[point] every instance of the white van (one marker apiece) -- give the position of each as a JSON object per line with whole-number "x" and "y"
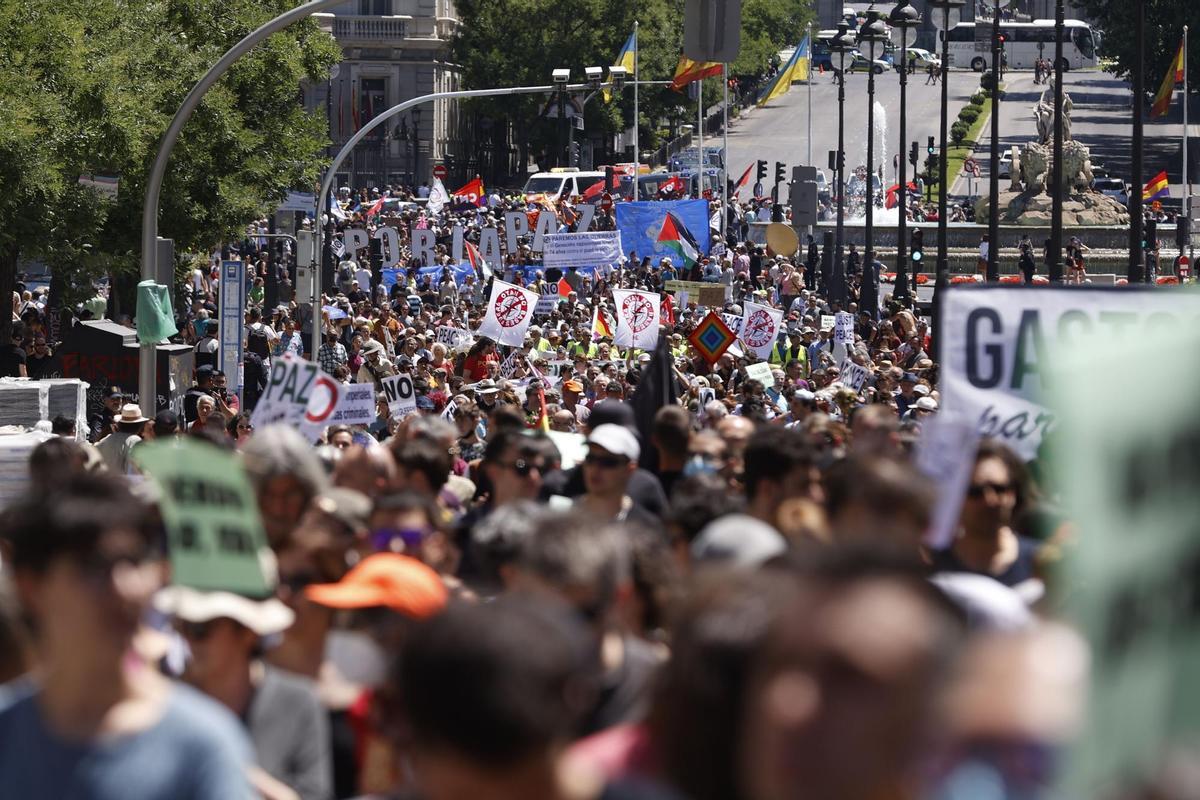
{"x": 560, "y": 182}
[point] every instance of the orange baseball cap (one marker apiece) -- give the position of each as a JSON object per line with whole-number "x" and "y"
{"x": 391, "y": 580}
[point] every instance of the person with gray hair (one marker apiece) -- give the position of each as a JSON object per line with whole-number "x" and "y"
{"x": 585, "y": 561}
{"x": 286, "y": 474}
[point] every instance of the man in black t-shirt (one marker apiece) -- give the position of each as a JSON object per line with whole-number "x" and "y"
{"x": 12, "y": 356}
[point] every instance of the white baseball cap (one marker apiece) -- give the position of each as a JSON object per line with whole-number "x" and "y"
{"x": 617, "y": 440}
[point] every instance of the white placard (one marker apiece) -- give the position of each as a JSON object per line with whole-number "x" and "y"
{"x": 289, "y": 387}
{"x": 760, "y": 328}
{"x": 761, "y": 372}
{"x": 827, "y": 321}
{"x": 852, "y": 375}
{"x": 456, "y": 339}
{"x": 637, "y": 318}
{"x": 946, "y": 455}
{"x": 998, "y": 344}
{"x": 510, "y": 309}
{"x": 356, "y": 406}
{"x": 401, "y": 397}
{"x": 565, "y": 250}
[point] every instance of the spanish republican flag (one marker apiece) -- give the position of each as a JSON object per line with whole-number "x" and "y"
{"x": 1159, "y": 186}
{"x": 627, "y": 58}
{"x": 796, "y": 69}
{"x": 1162, "y": 100}
{"x": 688, "y": 71}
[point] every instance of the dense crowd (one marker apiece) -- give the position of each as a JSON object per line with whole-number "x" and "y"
{"x": 578, "y": 570}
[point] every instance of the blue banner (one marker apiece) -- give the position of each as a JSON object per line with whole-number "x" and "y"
{"x": 640, "y": 223}
{"x": 459, "y": 271}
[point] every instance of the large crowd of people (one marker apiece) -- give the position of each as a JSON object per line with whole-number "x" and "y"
{"x": 577, "y": 570}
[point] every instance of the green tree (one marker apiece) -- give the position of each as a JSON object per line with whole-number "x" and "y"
{"x": 506, "y": 43}
{"x": 89, "y": 86}
{"x": 1164, "y": 30}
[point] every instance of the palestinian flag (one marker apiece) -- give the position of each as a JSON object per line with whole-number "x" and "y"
{"x": 674, "y": 234}
{"x": 475, "y": 259}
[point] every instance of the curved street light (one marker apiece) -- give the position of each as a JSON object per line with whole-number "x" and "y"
{"x": 841, "y": 43}
{"x": 903, "y": 17}
{"x": 874, "y": 31}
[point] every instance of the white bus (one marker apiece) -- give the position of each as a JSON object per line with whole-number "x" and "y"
{"x": 1024, "y": 42}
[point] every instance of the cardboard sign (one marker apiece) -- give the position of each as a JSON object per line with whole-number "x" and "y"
{"x": 711, "y": 295}
{"x": 355, "y": 406}
{"x": 401, "y": 396}
{"x": 565, "y": 250}
{"x": 852, "y": 375}
{"x": 1000, "y": 344}
{"x": 214, "y": 531}
{"x": 827, "y": 322}
{"x": 843, "y": 328}
{"x": 1128, "y": 480}
{"x": 946, "y": 454}
{"x": 761, "y": 372}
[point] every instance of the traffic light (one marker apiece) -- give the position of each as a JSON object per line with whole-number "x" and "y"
{"x": 914, "y": 157}
{"x": 1183, "y": 230}
{"x": 1149, "y": 233}
{"x": 833, "y": 160}
{"x": 916, "y": 248}
{"x": 609, "y": 183}
{"x": 760, "y": 172}
{"x": 931, "y": 146}
{"x": 780, "y": 176}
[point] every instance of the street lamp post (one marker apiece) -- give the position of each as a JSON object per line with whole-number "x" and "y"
{"x": 946, "y": 20}
{"x": 993, "y": 260}
{"x": 841, "y": 43}
{"x": 416, "y": 145}
{"x": 872, "y": 32}
{"x": 1136, "y": 254}
{"x": 147, "y": 365}
{"x": 1056, "y": 210}
{"x": 903, "y": 16}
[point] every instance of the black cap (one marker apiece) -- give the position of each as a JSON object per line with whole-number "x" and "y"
{"x": 113, "y": 391}
{"x": 166, "y": 419}
{"x": 205, "y": 369}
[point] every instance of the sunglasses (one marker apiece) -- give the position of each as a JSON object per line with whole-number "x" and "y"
{"x": 978, "y": 490}
{"x": 525, "y": 468}
{"x": 245, "y": 427}
{"x": 398, "y": 540}
{"x": 604, "y": 462}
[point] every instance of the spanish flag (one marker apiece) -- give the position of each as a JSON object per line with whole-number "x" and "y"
{"x": 627, "y": 58}
{"x": 1159, "y": 186}
{"x": 1162, "y": 100}
{"x": 796, "y": 69}
{"x": 600, "y": 327}
{"x": 687, "y": 71}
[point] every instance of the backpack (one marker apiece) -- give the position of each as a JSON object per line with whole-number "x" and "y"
{"x": 257, "y": 343}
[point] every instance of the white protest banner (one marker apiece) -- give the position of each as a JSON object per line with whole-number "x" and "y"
{"x": 946, "y": 455}
{"x": 565, "y": 250}
{"x": 827, "y": 321}
{"x": 549, "y": 299}
{"x": 734, "y": 321}
{"x": 401, "y": 397}
{"x": 323, "y": 401}
{"x": 999, "y": 345}
{"x": 761, "y": 372}
{"x": 356, "y": 406}
{"x": 510, "y": 309}
{"x": 852, "y": 375}
{"x": 760, "y": 327}
{"x": 843, "y": 328}
{"x": 449, "y": 410}
{"x": 1127, "y": 459}
{"x": 289, "y": 387}
{"x": 455, "y": 339}
{"x": 509, "y": 366}
{"x": 637, "y": 318}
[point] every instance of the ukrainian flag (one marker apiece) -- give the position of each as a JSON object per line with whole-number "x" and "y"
{"x": 627, "y": 58}
{"x": 796, "y": 69}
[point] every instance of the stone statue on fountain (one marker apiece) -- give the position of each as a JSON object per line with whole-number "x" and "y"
{"x": 1028, "y": 201}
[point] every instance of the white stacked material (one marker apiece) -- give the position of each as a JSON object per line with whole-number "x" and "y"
{"x": 25, "y": 402}
{"x": 15, "y": 448}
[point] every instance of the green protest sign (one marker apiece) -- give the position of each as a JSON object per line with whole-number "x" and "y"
{"x": 1129, "y": 473}
{"x": 214, "y": 533}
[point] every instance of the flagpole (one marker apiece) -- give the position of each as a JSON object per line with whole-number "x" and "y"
{"x": 1187, "y": 181}
{"x": 700, "y": 131}
{"x": 637, "y": 159}
{"x": 809, "y": 81}
{"x": 725, "y": 154}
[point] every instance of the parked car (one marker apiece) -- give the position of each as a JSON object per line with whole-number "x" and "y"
{"x": 1005, "y": 170}
{"x": 823, "y": 194}
{"x": 921, "y": 59}
{"x": 1115, "y": 188}
{"x": 860, "y": 63}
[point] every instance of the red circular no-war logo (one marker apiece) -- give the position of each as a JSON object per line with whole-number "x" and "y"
{"x": 759, "y": 329}
{"x": 638, "y": 311}
{"x": 511, "y": 308}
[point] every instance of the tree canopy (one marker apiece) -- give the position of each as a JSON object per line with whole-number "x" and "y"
{"x": 509, "y": 43}
{"x": 1164, "y": 30}
{"x": 89, "y": 86}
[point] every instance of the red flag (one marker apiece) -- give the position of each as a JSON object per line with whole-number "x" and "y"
{"x": 375, "y": 208}
{"x": 564, "y": 288}
{"x": 354, "y": 115}
{"x": 594, "y": 191}
{"x": 742, "y": 180}
{"x": 666, "y": 310}
{"x": 472, "y": 193}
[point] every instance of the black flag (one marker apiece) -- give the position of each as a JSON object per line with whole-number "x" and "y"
{"x": 656, "y": 388}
